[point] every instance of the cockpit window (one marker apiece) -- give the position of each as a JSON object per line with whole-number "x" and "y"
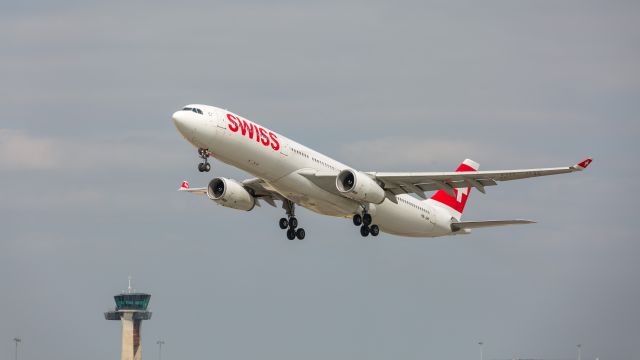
{"x": 195, "y": 110}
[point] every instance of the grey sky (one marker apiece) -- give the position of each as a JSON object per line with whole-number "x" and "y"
{"x": 90, "y": 162}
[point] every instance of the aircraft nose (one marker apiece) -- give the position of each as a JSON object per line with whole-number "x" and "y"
{"x": 178, "y": 117}
{"x": 181, "y": 121}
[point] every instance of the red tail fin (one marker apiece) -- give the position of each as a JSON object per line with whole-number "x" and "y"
{"x": 455, "y": 204}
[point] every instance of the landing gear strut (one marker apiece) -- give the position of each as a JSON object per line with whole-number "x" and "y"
{"x": 364, "y": 221}
{"x": 291, "y": 223}
{"x": 204, "y": 166}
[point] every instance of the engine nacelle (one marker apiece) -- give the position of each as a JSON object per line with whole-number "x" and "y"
{"x": 230, "y": 193}
{"x": 358, "y": 186}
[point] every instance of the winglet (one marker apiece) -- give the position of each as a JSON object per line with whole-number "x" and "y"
{"x": 184, "y": 185}
{"x": 583, "y": 164}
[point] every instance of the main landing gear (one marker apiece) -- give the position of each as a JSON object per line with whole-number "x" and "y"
{"x": 291, "y": 224}
{"x": 364, "y": 221}
{"x": 204, "y": 166}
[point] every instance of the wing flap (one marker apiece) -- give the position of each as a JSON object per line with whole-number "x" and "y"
{"x": 457, "y": 179}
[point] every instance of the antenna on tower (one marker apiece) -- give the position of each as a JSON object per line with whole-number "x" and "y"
{"x": 129, "y": 288}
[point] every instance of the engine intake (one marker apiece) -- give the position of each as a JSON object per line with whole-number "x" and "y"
{"x": 359, "y": 186}
{"x": 229, "y": 193}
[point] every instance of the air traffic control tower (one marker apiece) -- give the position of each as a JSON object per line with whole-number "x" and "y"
{"x": 131, "y": 309}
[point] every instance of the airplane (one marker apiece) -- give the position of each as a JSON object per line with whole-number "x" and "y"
{"x": 289, "y": 172}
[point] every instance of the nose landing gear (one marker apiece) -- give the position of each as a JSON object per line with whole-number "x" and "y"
{"x": 291, "y": 223}
{"x": 364, "y": 221}
{"x": 204, "y": 166}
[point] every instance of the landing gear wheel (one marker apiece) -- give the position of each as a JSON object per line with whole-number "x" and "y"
{"x": 291, "y": 224}
{"x": 375, "y": 230}
{"x": 357, "y": 220}
{"x": 204, "y": 166}
{"x": 366, "y": 219}
{"x": 364, "y": 230}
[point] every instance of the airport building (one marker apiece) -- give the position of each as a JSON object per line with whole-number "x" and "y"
{"x": 131, "y": 310}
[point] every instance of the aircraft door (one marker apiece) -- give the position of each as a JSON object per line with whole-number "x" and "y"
{"x": 433, "y": 217}
{"x": 284, "y": 147}
{"x": 217, "y": 122}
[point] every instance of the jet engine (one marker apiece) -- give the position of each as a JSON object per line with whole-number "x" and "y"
{"x": 358, "y": 186}
{"x": 230, "y": 193}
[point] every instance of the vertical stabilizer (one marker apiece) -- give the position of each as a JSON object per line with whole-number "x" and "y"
{"x": 455, "y": 204}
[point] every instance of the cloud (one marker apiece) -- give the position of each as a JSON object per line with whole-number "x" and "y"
{"x": 406, "y": 153}
{"x": 412, "y": 153}
{"x": 20, "y": 150}
{"x": 392, "y": 151}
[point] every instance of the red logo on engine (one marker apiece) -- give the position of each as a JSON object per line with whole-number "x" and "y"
{"x": 249, "y": 129}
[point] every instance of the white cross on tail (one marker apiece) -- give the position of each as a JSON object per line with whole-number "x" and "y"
{"x": 460, "y": 192}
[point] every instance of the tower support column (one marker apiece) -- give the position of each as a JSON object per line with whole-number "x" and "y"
{"x": 137, "y": 344}
{"x": 127, "y": 336}
{"x": 131, "y": 327}
{"x": 131, "y": 345}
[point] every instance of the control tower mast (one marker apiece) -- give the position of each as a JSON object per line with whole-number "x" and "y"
{"x": 131, "y": 309}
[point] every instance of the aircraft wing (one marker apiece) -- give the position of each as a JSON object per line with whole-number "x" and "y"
{"x": 396, "y": 183}
{"x": 185, "y": 188}
{"x": 255, "y": 186}
{"x": 261, "y": 190}
{"x": 418, "y": 183}
{"x": 326, "y": 180}
{"x": 490, "y": 223}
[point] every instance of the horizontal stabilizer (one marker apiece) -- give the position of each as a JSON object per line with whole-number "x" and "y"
{"x": 490, "y": 223}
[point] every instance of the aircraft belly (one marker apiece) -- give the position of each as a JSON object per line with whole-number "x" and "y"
{"x": 303, "y": 192}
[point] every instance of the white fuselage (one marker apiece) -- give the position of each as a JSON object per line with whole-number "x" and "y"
{"x": 278, "y": 161}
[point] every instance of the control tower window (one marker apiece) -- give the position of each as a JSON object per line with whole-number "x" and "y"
{"x": 133, "y": 301}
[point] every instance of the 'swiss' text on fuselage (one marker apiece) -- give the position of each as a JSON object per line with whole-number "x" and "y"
{"x": 247, "y": 128}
